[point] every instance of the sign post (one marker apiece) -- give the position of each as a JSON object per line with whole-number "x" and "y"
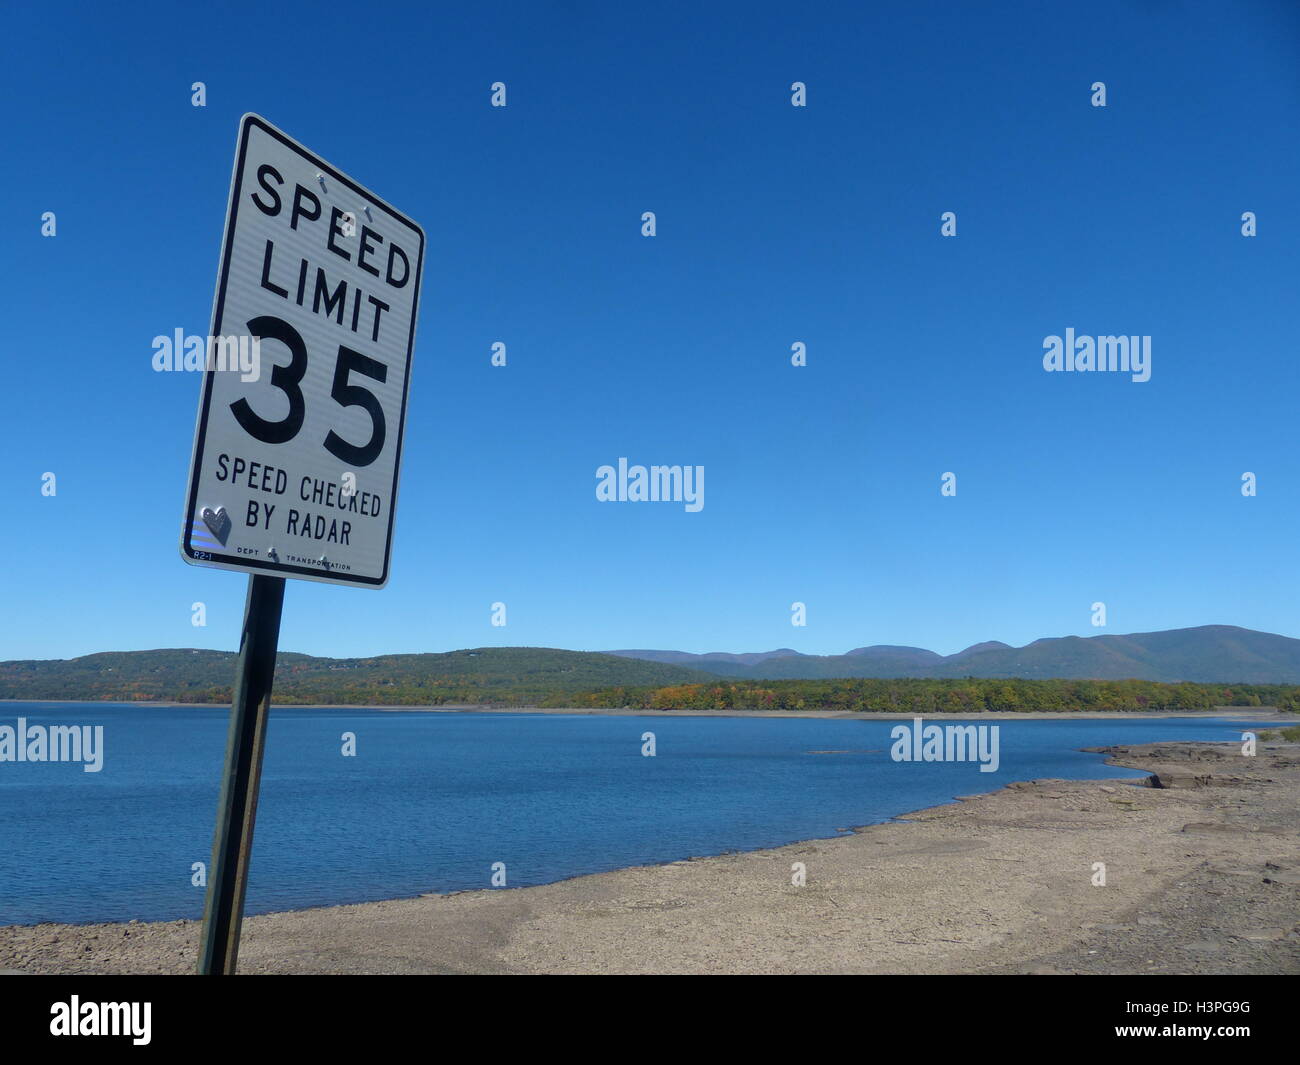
{"x": 298, "y": 442}
{"x": 223, "y": 910}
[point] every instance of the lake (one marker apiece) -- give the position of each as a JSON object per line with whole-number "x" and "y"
{"x": 431, "y": 800}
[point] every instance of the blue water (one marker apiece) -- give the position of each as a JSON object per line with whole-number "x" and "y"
{"x": 431, "y": 801}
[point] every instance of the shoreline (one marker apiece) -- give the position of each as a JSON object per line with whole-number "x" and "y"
{"x": 1204, "y": 866}
{"x": 1267, "y": 714}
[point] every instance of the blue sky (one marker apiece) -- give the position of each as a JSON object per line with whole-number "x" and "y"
{"x": 776, "y": 224}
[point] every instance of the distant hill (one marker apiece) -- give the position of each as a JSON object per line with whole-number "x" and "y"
{"x": 485, "y": 674}
{"x": 519, "y": 676}
{"x": 1206, "y": 654}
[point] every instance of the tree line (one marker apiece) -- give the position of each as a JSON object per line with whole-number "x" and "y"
{"x": 931, "y": 696}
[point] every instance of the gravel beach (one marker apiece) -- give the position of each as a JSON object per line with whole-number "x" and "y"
{"x": 1202, "y": 875}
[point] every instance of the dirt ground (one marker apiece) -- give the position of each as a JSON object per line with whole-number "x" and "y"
{"x": 1202, "y": 875}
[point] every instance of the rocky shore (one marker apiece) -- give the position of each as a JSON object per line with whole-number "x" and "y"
{"x": 1201, "y": 870}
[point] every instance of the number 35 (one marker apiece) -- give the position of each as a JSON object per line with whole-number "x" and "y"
{"x": 288, "y": 380}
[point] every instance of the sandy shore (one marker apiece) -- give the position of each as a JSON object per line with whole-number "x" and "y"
{"x": 1202, "y": 876}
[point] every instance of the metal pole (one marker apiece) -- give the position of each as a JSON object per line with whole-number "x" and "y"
{"x": 232, "y": 846}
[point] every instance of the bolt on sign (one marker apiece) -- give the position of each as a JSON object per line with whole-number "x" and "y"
{"x": 294, "y": 473}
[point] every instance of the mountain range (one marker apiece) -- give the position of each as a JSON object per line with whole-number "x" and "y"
{"x": 1209, "y": 654}
{"x": 1206, "y": 653}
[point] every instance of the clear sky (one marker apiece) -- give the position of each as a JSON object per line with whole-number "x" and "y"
{"x": 775, "y": 224}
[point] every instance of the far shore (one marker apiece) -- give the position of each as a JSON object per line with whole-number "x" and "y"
{"x": 1253, "y": 713}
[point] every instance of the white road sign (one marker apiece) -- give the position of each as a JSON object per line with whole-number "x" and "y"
{"x": 294, "y": 473}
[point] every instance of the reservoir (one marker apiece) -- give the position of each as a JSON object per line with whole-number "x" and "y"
{"x": 430, "y": 802}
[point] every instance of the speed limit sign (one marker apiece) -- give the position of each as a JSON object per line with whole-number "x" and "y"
{"x": 299, "y": 436}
